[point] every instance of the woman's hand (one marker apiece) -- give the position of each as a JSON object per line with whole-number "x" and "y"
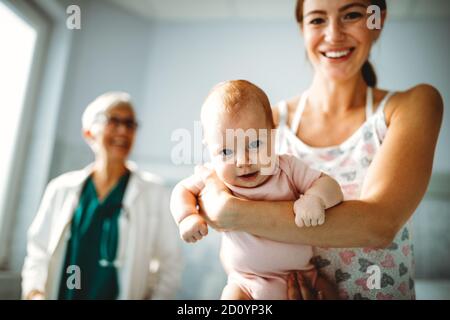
{"x": 300, "y": 288}
{"x": 215, "y": 200}
{"x": 35, "y": 295}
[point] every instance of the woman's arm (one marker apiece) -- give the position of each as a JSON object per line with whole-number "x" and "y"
{"x": 35, "y": 268}
{"x": 395, "y": 183}
{"x": 349, "y": 224}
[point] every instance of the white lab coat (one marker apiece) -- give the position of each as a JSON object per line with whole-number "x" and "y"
{"x": 148, "y": 257}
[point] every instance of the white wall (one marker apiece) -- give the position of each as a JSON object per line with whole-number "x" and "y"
{"x": 412, "y": 52}
{"x": 110, "y": 52}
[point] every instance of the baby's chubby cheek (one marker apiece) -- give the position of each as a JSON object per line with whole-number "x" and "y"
{"x": 225, "y": 172}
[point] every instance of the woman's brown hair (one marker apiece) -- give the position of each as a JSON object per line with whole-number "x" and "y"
{"x": 367, "y": 70}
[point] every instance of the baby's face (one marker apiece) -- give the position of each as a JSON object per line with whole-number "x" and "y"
{"x": 241, "y": 146}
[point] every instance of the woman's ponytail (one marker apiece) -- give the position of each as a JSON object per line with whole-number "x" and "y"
{"x": 369, "y": 74}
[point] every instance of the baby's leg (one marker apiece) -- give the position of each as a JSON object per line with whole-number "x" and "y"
{"x": 233, "y": 292}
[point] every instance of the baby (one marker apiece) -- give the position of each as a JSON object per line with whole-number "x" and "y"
{"x": 257, "y": 268}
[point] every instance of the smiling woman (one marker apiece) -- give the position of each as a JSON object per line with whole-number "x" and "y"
{"x": 107, "y": 220}
{"x": 377, "y": 144}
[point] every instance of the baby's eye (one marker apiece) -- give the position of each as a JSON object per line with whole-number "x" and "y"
{"x": 353, "y": 15}
{"x": 226, "y": 152}
{"x": 254, "y": 144}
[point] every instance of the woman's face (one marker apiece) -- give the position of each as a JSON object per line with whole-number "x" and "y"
{"x": 336, "y": 35}
{"x": 114, "y": 137}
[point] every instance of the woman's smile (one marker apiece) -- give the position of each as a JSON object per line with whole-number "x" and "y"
{"x": 121, "y": 142}
{"x": 337, "y": 55}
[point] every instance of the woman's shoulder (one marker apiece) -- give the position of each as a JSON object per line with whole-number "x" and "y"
{"x": 69, "y": 179}
{"x": 421, "y": 101}
{"x": 424, "y": 94}
{"x": 145, "y": 178}
{"x": 149, "y": 179}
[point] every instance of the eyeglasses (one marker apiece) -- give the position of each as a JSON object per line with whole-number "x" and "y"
{"x": 115, "y": 122}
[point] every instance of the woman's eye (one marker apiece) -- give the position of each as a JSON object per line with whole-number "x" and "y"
{"x": 114, "y": 121}
{"x": 353, "y": 16}
{"x": 317, "y": 21}
{"x": 226, "y": 152}
{"x": 254, "y": 144}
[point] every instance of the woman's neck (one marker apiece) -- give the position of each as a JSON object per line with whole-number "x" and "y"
{"x": 108, "y": 172}
{"x": 337, "y": 97}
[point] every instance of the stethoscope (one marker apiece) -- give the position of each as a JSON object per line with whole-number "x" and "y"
{"x": 106, "y": 260}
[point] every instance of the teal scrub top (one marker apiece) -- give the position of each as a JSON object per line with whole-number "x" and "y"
{"x": 93, "y": 245}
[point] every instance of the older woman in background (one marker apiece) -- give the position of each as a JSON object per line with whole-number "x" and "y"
{"x": 104, "y": 232}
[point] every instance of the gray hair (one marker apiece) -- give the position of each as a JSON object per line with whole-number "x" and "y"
{"x": 101, "y": 105}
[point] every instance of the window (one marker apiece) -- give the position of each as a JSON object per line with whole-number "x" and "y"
{"x": 21, "y": 40}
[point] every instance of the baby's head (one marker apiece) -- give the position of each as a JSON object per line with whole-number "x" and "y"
{"x": 237, "y": 125}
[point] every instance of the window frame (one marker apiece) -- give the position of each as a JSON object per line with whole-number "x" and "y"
{"x": 30, "y": 13}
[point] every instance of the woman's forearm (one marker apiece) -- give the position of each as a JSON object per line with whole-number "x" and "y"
{"x": 349, "y": 224}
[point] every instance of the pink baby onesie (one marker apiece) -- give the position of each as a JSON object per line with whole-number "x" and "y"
{"x": 260, "y": 266}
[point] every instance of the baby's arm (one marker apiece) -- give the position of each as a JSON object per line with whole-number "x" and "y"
{"x": 319, "y": 192}
{"x": 183, "y": 205}
{"x": 324, "y": 193}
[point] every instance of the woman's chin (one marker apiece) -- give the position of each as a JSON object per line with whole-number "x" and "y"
{"x": 338, "y": 75}
{"x": 118, "y": 155}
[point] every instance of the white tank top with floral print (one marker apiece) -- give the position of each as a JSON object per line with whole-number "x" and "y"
{"x": 360, "y": 273}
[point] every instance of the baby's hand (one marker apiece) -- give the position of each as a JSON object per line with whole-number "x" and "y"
{"x": 193, "y": 228}
{"x": 309, "y": 211}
